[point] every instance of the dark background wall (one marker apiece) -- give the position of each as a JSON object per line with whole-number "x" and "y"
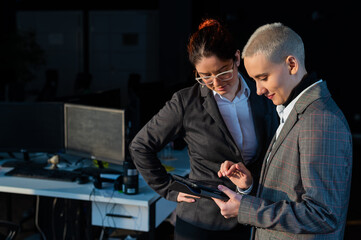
{"x": 329, "y": 32}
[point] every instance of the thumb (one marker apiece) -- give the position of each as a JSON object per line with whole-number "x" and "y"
{"x": 227, "y": 191}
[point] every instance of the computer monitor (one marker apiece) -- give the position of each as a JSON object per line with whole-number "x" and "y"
{"x": 31, "y": 127}
{"x": 95, "y": 132}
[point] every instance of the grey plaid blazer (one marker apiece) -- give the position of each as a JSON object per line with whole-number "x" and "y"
{"x": 305, "y": 185}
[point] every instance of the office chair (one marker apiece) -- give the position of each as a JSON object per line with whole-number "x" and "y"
{"x": 11, "y": 229}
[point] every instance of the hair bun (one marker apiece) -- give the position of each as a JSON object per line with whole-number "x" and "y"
{"x": 208, "y": 23}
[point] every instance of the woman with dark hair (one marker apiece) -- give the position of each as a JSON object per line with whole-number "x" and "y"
{"x": 220, "y": 118}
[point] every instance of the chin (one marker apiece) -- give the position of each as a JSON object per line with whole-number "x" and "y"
{"x": 275, "y": 102}
{"x": 222, "y": 92}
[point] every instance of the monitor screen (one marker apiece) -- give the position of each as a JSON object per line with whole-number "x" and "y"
{"x": 31, "y": 127}
{"x": 94, "y": 132}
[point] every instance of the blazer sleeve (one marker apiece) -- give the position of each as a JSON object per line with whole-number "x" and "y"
{"x": 161, "y": 129}
{"x": 325, "y": 156}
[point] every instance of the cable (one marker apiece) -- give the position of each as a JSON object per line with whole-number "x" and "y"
{"x": 106, "y": 209}
{"x": 37, "y": 216}
{"x": 93, "y": 194}
{"x": 111, "y": 212}
{"x": 79, "y": 161}
{"x": 52, "y": 217}
{"x": 65, "y": 229}
{"x": 102, "y": 233}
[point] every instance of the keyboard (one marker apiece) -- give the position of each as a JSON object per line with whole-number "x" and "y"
{"x": 21, "y": 163}
{"x": 92, "y": 171}
{"x": 41, "y": 173}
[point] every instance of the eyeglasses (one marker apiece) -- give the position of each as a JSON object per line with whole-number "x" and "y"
{"x": 208, "y": 80}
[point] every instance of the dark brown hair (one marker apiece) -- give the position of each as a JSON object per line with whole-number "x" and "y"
{"x": 211, "y": 39}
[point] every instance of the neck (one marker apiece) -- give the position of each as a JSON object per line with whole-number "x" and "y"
{"x": 306, "y": 81}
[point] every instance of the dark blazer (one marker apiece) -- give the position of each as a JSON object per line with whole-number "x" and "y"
{"x": 193, "y": 115}
{"x": 305, "y": 185}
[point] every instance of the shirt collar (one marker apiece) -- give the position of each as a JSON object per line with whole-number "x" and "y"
{"x": 244, "y": 92}
{"x": 283, "y": 111}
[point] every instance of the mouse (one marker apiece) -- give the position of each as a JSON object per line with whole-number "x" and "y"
{"x": 82, "y": 179}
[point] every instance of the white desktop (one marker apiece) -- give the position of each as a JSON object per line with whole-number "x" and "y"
{"x": 110, "y": 208}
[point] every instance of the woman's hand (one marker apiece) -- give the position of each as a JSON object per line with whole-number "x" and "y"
{"x": 237, "y": 173}
{"x": 184, "y": 197}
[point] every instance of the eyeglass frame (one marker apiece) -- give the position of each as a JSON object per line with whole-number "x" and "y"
{"x": 199, "y": 79}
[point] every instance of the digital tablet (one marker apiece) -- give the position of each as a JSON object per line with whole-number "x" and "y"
{"x": 192, "y": 187}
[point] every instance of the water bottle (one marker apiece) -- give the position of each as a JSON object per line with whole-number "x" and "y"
{"x": 130, "y": 178}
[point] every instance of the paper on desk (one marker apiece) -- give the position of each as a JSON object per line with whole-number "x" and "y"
{"x": 108, "y": 188}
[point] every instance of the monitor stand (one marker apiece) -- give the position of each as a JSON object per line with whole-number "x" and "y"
{"x": 26, "y": 156}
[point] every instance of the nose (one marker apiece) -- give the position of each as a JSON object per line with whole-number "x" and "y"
{"x": 260, "y": 89}
{"x": 216, "y": 82}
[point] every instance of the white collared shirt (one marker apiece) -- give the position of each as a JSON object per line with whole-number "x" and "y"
{"x": 284, "y": 112}
{"x": 238, "y": 118}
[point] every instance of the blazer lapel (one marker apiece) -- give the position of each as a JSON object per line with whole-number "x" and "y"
{"x": 210, "y": 105}
{"x": 312, "y": 94}
{"x": 291, "y": 121}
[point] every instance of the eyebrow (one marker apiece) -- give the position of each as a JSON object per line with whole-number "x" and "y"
{"x": 260, "y": 75}
{"x": 216, "y": 71}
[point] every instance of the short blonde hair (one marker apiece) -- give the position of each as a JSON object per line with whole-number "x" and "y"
{"x": 276, "y": 42}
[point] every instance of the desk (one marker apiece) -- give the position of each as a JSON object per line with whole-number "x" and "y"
{"x": 142, "y": 212}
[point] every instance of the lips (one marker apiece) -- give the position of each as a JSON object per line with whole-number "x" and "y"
{"x": 270, "y": 96}
{"x": 222, "y": 88}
